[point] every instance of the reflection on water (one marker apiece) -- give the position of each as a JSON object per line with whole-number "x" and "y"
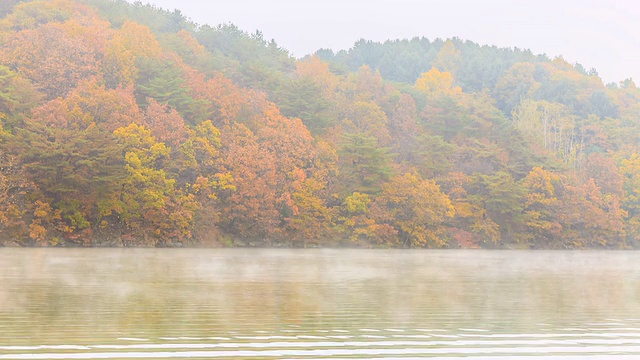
{"x": 300, "y": 304}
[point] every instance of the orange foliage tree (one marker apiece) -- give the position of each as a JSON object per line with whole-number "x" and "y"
{"x": 56, "y": 56}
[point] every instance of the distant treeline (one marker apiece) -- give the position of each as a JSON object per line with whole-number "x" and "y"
{"x": 128, "y": 125}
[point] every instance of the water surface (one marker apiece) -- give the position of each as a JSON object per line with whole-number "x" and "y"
{"x": 311, "y": 304}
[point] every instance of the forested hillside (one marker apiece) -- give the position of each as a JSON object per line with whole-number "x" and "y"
{"x": 128, "y": 125}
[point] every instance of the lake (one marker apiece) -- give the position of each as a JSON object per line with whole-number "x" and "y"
{"x": 314, "y": 304}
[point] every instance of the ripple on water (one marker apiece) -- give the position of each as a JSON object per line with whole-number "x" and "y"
{"x": 480, "y": 346}
{"x": 559, "y": 352}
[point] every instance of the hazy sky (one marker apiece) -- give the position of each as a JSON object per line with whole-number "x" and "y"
{"x": 603, "y": 34}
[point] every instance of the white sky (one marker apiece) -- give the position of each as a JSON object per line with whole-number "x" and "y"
{"x": 603, "y": 34}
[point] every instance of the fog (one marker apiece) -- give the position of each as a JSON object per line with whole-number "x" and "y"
{"x": 600, "y": 34}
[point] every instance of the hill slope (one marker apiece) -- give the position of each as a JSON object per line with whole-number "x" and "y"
{"x": 128, "y": 125}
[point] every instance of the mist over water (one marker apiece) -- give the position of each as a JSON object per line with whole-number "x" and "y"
{"x": 297, "y": 304}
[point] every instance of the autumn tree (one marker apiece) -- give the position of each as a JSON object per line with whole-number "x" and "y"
{"x": 415, "y": 208}
{"x": 75, "y": 168}
{"x": 129, "y": 44}
{"x": 31, "y": 14}
{"x": 369, "y": 119}
{"x": 92, "y": 102}
{"x": 72, "y": 52}
{"x": 17, "y": 97}
{"x": 269, "y": 165}
{"x": 630, "y": 172}
{"x": 436, "y": 82}
{"x": 355, "y": 222}
{"x": 149, "y": 202}
{"x": 311, "y": 220}
{"x": 540, "y": 206}
{"x": 165, "y": 124}
{"x": 404, "y": 130}
{"x": 318, "y": 71}
{"x": 17, "y": 219}
{"x": 448, "y": 58}
{"x": 551, "y": 127}
{"x": 589, "y": 217}
{"x": 250, "y": 212}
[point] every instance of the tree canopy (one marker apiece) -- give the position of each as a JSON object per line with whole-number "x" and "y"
{"x": 128, "y": 125}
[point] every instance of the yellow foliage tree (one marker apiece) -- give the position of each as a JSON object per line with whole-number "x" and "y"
{"x": 318, "y": 71}
{"x": 540, "y": 202}
{"x": 416, "y": 208}
{"x": 127, "y": 45}
{"x": 448, "y": 58}
{"x": 436, "y": 82}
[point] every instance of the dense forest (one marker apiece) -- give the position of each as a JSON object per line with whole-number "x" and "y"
{"x": 128, "y": 125}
